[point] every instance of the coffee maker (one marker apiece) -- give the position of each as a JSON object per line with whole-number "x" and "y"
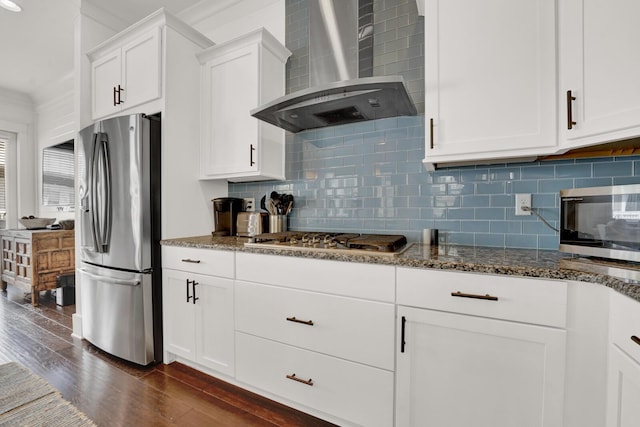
{"x": 225, "y": 215}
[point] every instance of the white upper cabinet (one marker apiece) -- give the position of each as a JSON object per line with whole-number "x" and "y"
{"x": 127, "y": 76}
{"x": 599, "y": 64}
{"x": 238, "y": 76}
{"x": 490, "y": 76}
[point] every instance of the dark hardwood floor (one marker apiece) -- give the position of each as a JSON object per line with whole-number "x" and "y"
{"x": 116, "y": 393}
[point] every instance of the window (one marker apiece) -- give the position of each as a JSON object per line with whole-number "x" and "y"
{"x": 8, "y": 177}
{"x": 4, "y": 141}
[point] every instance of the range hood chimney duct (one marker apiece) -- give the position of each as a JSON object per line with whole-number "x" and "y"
{"x": 340, "y": 74}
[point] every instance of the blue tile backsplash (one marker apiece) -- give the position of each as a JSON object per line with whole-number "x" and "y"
{"x": 368, "y": 177}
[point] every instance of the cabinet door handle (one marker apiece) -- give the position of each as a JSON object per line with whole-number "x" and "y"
{"x": 402, "y": 329}
{"x": 635, "y": 339}
{"x": 570, "y": 98}
{"x": 114, "y": 97}
{"x": 193, "y": 287}
{"x": 304, "y": 322}
{"x": 431, "y": 132}
{"x": 251, "y": 150}
{"x": 120, "y": 90}
{"x": 474, "y": 296}
{"x": 193, "y": 261}
{"x": 188, "y": 296}
{"x": 293, "y": 377}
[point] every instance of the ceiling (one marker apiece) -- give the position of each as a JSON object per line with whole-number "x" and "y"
{"x": 36, "y": 48}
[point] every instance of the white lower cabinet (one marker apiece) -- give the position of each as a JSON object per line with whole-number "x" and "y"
{"x": 198, "y": 312}
{"x": 350, "y": 391}
{"x": 458, "y": 370}
{"x": 321, "y": 340}
{"x": 623, "y": 407}
{"x": 623, "y": 403}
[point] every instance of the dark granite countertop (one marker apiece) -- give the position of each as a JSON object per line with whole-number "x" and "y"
{"x": 516, "y": 262}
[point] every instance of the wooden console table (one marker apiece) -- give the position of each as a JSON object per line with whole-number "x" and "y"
{"x": 32, "y": 259}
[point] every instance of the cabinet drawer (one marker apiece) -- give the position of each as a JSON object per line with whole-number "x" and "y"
{"x": 625, "y": 324}
{"x": 519, "y": 299}
{"x": 358, "y": 330}
{"x": 369, "y": 281}
{"x": 202, "y": 261}
{"x": 360, "y": 394}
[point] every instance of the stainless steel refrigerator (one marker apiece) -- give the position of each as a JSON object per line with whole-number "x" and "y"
{"x": 119, "y": 269}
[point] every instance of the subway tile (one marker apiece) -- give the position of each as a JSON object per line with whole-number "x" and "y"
{"x": 461, "y": 213}
{"x": 580, "y": 170}
{"x": 544, "y": 200}
{"x": 490, "y": 213}
{"x": 490, "y": 187}
{"x": 593, "y": 182}
{"x": 460, "y": 238}
{"x": 475, "y": 226}
{"x": 502, "y": 200}
{"x": 460, "y": 189}
{"x": 538, "y": 172}
{"x": 506, "y": 227}
{"x": 504, "y": 174}
{"x": 476, "y": 201}
{"x": 527, "y": 186}
{"x": 492, "y": 240}
{"x": 527, "y": 241}
{"x": 612, "y": 169}
{"x": 447, "y": 225}
{"x": 548, "y": 242}
{"x": 474, "y": 175}
{"x": 625, "y": 180}
{"x": 554, "y": 185}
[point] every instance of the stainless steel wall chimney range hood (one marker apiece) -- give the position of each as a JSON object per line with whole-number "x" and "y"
{"x": 340, "y": 74}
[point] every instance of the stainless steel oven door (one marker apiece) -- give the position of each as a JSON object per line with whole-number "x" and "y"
{"x": 601, "y": 221}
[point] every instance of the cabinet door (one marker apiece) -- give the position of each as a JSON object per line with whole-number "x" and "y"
{"x": 623, "y": 405}
{"x": 490, "y": 76}
{"x": 461, "y": 371}
{"x": 230, "y": 140}
{"x": 141, "y": 69}
{"x": 105, "y": 78}
{"x": 214, "y": 323}
{"x": 599, "y": 66}
{"x": 178, "y": 314}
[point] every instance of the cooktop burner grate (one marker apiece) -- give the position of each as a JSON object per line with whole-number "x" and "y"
{"x": 371, "y": 244}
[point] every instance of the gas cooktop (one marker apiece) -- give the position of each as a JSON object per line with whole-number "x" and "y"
{"x": 353, "y": 243}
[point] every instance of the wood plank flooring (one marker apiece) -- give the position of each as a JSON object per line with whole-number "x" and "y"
{"x": 116, "y": 393}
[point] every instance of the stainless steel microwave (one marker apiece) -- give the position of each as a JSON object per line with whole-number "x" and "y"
{"x": 601, "y": 222}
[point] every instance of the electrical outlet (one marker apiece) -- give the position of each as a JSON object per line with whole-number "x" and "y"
{"x": 249, "y": 204}
{"x": 522, "y": 200}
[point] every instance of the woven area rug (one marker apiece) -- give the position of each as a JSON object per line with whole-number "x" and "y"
{"x": 28, "y": 400}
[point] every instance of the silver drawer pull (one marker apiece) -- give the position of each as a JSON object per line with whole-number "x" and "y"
{"x": 193, "y": 261}
{"x": 304, "y": 322}
{"x": 474, "y": 296}
{"x": 293, "y": 377}
{"x": 635, "y": 339}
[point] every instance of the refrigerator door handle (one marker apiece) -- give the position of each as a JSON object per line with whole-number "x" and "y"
{"x": 110, "y": 280}
{"x": 93, "y": 185}
{"x": 101, "y": 193}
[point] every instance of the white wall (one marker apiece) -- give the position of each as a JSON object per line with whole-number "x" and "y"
{"x": 55, "y": 124}
{"x": 17, "y": 116}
